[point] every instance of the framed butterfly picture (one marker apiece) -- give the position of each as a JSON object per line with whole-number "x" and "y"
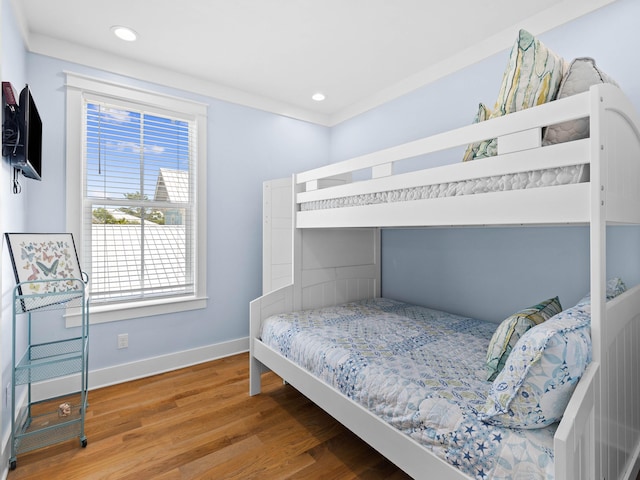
{"x": 44, "y": 263}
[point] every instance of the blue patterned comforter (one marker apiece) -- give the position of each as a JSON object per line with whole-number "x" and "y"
{"x": 422, "y": 371}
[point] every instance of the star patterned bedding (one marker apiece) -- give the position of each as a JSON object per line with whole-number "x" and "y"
{"x": 422, "y": 371}
{"x": 497, "y": 183}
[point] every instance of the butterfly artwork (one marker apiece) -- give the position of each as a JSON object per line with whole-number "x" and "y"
{"x": 44, "y": 262}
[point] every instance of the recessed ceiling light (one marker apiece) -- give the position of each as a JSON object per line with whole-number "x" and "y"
{"x": 318, "y": 97}
{"x": 124, "y": 33}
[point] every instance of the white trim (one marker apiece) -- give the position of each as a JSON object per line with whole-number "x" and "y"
{"x": 635, "y": 466}
{"x": 78, "y": 88}
{"x": 6, "y": 438}
{"x": 6, "y": 454}
{"x": 133, "y": 94}
{"x": 117, "y": 312}
{"x": 66, "y": 51}
{"x": 548, "y": 19}
{"x": 127, "y": 372}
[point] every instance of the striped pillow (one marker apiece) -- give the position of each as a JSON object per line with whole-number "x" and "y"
{"x": 512, "y": 328}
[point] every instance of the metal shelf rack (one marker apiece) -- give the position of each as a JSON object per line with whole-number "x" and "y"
{"x": 36, "y": 424}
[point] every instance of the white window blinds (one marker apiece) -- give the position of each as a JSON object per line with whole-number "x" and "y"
{"x": 138, "y": 203}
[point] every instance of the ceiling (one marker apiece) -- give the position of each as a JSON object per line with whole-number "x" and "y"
{"x": 275, "y": 54}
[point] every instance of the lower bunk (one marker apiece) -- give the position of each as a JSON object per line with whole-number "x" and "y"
{"x": 412, "y": 383}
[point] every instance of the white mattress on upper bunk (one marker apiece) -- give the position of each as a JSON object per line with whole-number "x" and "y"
{"x": 420, "y": 370}
{"x": 497, "y": 183}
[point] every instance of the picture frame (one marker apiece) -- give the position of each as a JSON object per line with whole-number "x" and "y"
{"x": 45, "y": 264}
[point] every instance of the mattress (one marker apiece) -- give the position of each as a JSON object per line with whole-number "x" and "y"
{"x": 497, "y": 183}
{"x": 422, "y": 371}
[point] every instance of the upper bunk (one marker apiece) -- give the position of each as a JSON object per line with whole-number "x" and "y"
{"x": 527, "y": 183}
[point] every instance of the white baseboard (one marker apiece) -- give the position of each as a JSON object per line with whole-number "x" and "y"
{"x": 5, "y": 464}
{"x": 139, "y": 369}
{"x": 634, "y": 470}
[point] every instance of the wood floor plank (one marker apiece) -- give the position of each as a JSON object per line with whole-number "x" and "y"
{"x": 201, "y": 423}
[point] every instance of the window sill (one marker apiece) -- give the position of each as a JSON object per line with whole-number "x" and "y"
{"x": 115, "y": 313}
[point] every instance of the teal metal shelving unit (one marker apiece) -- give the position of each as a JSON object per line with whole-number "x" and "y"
{"x": 36, "y": 424}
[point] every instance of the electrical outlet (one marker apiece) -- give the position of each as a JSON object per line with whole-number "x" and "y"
{"x": 123, "y": 340}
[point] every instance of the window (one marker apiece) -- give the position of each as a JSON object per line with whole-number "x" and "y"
{"x": 136, "y": 198}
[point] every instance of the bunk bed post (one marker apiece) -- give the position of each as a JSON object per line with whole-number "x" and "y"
{"x": 270, "y": 303}
{"x": 597, "y": 224}
{"x": 255, "y": 367}
{"x": 296, "y": 242}
{"x": 597, "y": 258}
{"x": 615, "y": 324}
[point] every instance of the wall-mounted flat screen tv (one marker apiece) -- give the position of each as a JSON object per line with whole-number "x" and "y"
{"x": 27, "y": 156}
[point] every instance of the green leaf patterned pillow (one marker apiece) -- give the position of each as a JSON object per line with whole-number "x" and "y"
{"x": 532, "y": 77}
{"x": 512, "y": 328}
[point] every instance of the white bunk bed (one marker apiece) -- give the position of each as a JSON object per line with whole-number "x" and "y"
{"x": 336, "y": 258}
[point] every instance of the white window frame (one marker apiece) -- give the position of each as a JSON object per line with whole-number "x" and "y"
{"x": 82, "y": 88}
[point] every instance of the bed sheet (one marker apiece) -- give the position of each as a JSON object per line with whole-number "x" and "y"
{"x": 497, "y": 183}
{"x": 419, "y": 369}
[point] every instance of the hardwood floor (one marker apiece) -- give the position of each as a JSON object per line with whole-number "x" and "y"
{"x": 201, "y": 423}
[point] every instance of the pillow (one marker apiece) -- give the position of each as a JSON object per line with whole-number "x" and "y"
{"x": 535, "y": 385}
{"x": 532, "y": 77}
{"x": 581, "y": 74}
{"x": 481, "y": 116}
{"x": 615, "y": 286}
{"x": 512, "y": 328}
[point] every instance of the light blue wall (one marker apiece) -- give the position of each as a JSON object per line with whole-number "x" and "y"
{"x": 485, "y": 273}
{"x": 245, "y": 147}
{"x": 489, "y": 273}
{"x": 12, "y": 207}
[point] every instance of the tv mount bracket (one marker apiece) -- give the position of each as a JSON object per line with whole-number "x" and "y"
{"x": 10, "y": 129}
